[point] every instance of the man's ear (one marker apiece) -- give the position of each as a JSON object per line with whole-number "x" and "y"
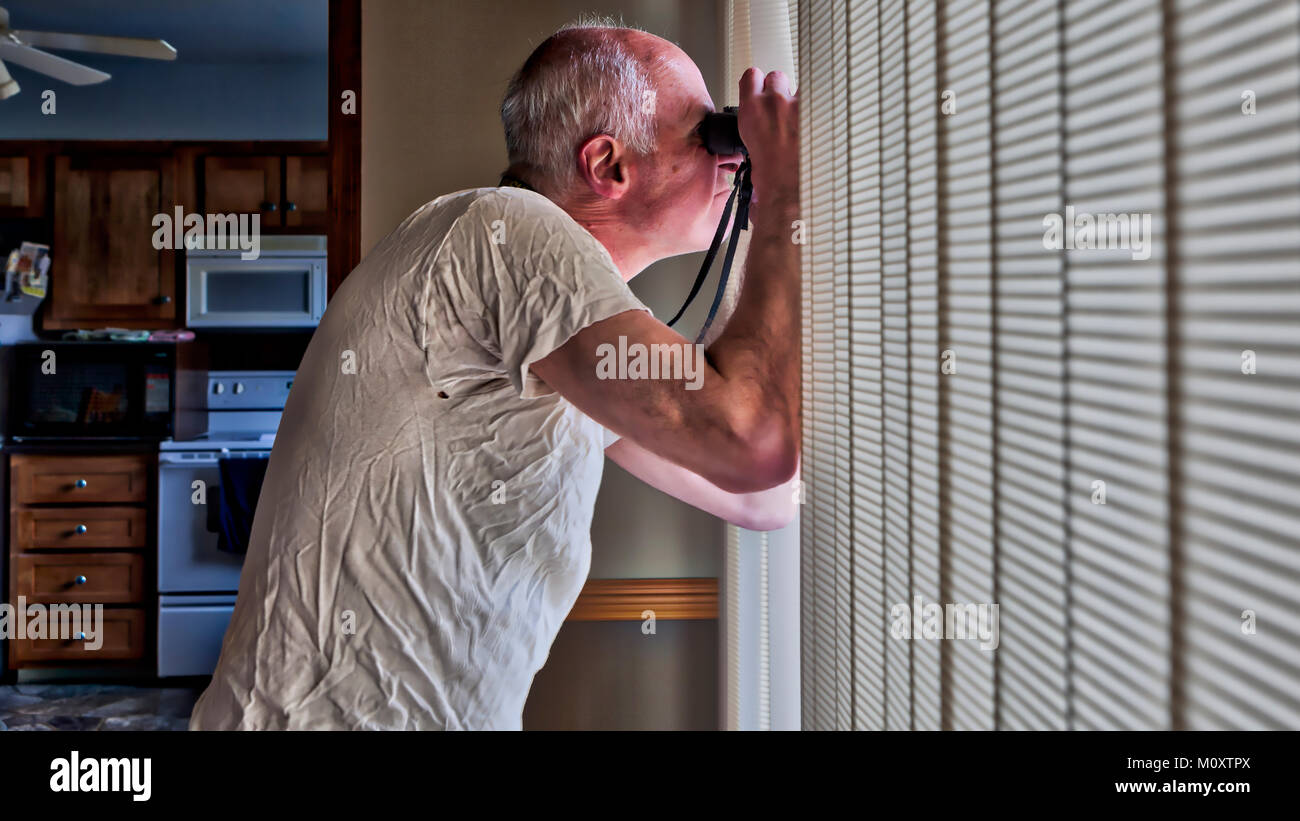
{"x": 602, "y": 164}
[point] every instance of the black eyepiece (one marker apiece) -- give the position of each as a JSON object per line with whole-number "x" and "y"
{"x": 721, "y": 132}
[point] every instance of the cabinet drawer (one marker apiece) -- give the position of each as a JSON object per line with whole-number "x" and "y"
{"x": 100, "y": 578}
{"x": 42, "y": 478}
{"x": 122, "y": 638}
{"x": 79, "y": 527}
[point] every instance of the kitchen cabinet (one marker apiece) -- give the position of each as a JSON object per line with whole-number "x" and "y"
{"x": 287, "y": 191}
{"x": 243, "y": 185}
{"x": 306, "y": 191}
{"x": 106, "y": 270}
{"x": 79, "y": 535}
{"x": 22, "y": 187}
{"x": 96, "y": 203}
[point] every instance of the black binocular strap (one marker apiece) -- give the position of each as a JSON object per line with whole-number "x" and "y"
{"x": 743, "y": 190}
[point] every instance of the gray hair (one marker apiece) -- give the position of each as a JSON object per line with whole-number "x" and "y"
{"x": 581, "y": 81}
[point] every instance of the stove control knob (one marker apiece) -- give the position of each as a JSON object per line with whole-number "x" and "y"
{"x": 217, "y": 387}
{"x": 239, "y": 387}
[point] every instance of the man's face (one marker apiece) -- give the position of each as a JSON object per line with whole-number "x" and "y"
{"x": 680, "y": 191}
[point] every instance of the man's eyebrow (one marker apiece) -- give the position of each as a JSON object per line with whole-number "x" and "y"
{"x": 698, "y": 112}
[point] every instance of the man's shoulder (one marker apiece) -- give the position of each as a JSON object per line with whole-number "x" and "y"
{"x": 451, "y": 216}
{"x": 518, "y": 222}
{"x": 499, "y": 199}
{"x": 514, "y": 228}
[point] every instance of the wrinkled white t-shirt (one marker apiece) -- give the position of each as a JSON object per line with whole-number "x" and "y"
{"x": 424, "y": 525}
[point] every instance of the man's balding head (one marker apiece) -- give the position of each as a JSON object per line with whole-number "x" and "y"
{"x": 590, "y": 77}
{"x": 602, "y": 119}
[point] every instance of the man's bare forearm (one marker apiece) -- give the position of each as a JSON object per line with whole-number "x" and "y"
{"x": 757, "y": 355}
{"x": 758, "y": 352}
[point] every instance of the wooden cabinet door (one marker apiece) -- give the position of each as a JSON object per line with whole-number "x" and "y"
{"x": 243, "y": 185}
{"x": 20, "y": 187}
{"x": 306, "y": 191}
{"x": 105, "y": 269}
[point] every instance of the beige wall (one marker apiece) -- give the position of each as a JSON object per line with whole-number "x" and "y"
{"x": 433, "y": 72}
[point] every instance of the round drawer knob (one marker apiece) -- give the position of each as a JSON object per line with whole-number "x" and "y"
{"x": 80, "y": 637}
{"x": 80, "y": 528}
{"x": 80, "y": 483}
{"x": 79, "y": 580}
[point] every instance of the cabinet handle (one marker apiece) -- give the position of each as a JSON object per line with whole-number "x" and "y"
{"x": 79, "y": 483}
{"x": 80, "y": 528}
{"x": 269, "y": 206}
{"x": 79, "y": 580}
{"x": 291, "y": 206}
{"x": 161, "y": 299}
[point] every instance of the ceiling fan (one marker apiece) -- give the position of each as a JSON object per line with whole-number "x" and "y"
{"x": 20, "y": 48}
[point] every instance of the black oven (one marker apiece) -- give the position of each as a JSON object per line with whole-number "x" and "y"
{"x": 91, "y": 390}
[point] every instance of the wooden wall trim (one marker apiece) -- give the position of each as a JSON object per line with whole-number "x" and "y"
{"x": 344, "y": 140}
{"x": 627, "y": 599}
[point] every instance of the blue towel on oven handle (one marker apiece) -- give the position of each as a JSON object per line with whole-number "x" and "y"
{"x": 241, "y": 484}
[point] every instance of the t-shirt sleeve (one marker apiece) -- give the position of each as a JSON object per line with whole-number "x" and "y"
{"x": 610, "y": 437}
{"x": 540, "y": 278}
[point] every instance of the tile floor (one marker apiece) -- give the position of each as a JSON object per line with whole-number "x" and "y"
{"x": 95, "y": 707}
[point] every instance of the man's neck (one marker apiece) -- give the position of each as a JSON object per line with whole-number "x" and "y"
{"x": 625, "y": 246}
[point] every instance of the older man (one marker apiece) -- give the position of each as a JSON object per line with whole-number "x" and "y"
{"x": 424, "y": 525}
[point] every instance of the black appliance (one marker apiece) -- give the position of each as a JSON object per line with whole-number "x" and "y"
{"x": 91, "y": 391}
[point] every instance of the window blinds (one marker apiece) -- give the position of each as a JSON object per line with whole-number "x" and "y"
{"x": 1236, "y": 223}
{"x": 760, "y": 631}
{"x": 1103, "y": 442}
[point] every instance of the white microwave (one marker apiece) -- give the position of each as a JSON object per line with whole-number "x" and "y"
{"x": 284, "y": 287}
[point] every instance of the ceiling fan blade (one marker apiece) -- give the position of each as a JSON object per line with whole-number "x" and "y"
{"x": 56, "y": 67}
{"x": 100, "y": 44}
{"x": 8, "y": 85}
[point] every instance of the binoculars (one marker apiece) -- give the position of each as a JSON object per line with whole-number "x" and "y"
{"x": 720, "y": 132}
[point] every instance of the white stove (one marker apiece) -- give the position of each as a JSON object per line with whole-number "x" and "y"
{"x": 220, "y": 415}
{"x": 222, "y": 443}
